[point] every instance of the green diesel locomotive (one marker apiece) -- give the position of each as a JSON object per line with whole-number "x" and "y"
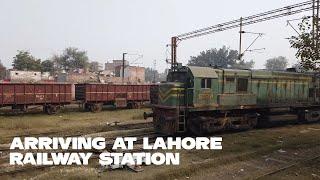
{"x": 206, "y": 99}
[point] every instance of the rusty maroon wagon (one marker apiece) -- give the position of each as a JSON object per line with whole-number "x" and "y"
{"x": 95, "y": 95}
{"x": 21, "y": 95}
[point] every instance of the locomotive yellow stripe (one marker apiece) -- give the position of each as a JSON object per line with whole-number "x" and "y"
{"x": 169, "y": 90}
{"x": 169, "y": 93}
{"x": 164, "y": 94}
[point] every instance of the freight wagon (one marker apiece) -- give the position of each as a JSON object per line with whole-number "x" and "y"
{"x": 94, "y": 96}
{"x": 20, "y": 96}
{"x": 206, "y": 99}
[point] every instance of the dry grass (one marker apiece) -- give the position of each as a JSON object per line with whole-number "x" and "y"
{"x": 25, "y": 124}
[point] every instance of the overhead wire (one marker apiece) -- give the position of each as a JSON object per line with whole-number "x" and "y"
{"x": 268, "y": 15}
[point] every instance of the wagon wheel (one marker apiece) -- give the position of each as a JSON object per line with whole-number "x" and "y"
{"x": 253, "y": 122}
{"x": 134, "y": 105}
{"x": 137, "y": 105}
{"x": 50, "y": 109}
{"x": 87, "y": 107}
{"x": 130, "y": 105}
{"x": 312, "y": 116}
{"x": 24, "y": 108}
{"x": 96, "y": 107}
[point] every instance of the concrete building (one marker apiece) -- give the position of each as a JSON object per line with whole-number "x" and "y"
{"x": 28, "y": 76}
{"x": 23, "y": 76}
{"x": 115, "y": 63}
{"x": 133, "y": 74}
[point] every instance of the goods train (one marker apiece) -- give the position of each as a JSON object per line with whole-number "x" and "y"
{"x": 54, "y": 95}
{"x": 207, "y": 99}
{"x": 95, "y": 95}
{"x": 20, "y": 96}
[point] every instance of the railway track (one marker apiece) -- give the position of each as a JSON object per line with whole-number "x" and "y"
{"x": 114, "y": 126}
{"x": 133, "y": 132}
{"x": 286, "y": 167}
{"x": 140, "y": 133}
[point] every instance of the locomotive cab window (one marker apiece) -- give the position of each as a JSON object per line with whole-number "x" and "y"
{"x": 205, "y": 83}
{"x": 242, "y": 85}
{"x": 177, "y": 77}
{"x": 230, "y": 80}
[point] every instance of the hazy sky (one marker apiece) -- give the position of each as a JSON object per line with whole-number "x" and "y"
{"x": 106, "y": 28}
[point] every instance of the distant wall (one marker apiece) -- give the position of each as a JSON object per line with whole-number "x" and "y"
{"x": 135, "y": 74}
{"x": 23, "y": 76}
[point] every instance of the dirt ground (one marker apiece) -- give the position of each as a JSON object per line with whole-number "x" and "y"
{"x": 282, "y": 152}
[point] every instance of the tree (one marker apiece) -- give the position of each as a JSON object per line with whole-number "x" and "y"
{"x": 47, "y": 66}
{"x": 223, "y": 57}
{"x": 2, "y": 71}
{"x": 94, "y": 66}
{"x": 299, "y": 68}
{"x": 243, "y": 65}
{"x": 71, "y": 59}
{"x": 25, "y": 61}
{"x": 276, "y": 63}
{"x": 308, "y": 52}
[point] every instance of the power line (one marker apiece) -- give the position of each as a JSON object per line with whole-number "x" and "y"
{"x": 261, "y": 17}
{"x": 280, "y": 12}
{"x": 235, "y": 25}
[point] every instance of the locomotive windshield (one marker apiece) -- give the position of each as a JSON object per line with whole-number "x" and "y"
{"x": 177, "y": 77}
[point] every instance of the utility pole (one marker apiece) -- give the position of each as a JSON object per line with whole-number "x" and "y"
{"x": 315, "y": 25}
{"x": 154, "y": 70}
{"x": 240, "y": 41}
{"x": 173, "y": 52}
{"x": 123, "y": 66}
{"x": 313, "y": 21}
